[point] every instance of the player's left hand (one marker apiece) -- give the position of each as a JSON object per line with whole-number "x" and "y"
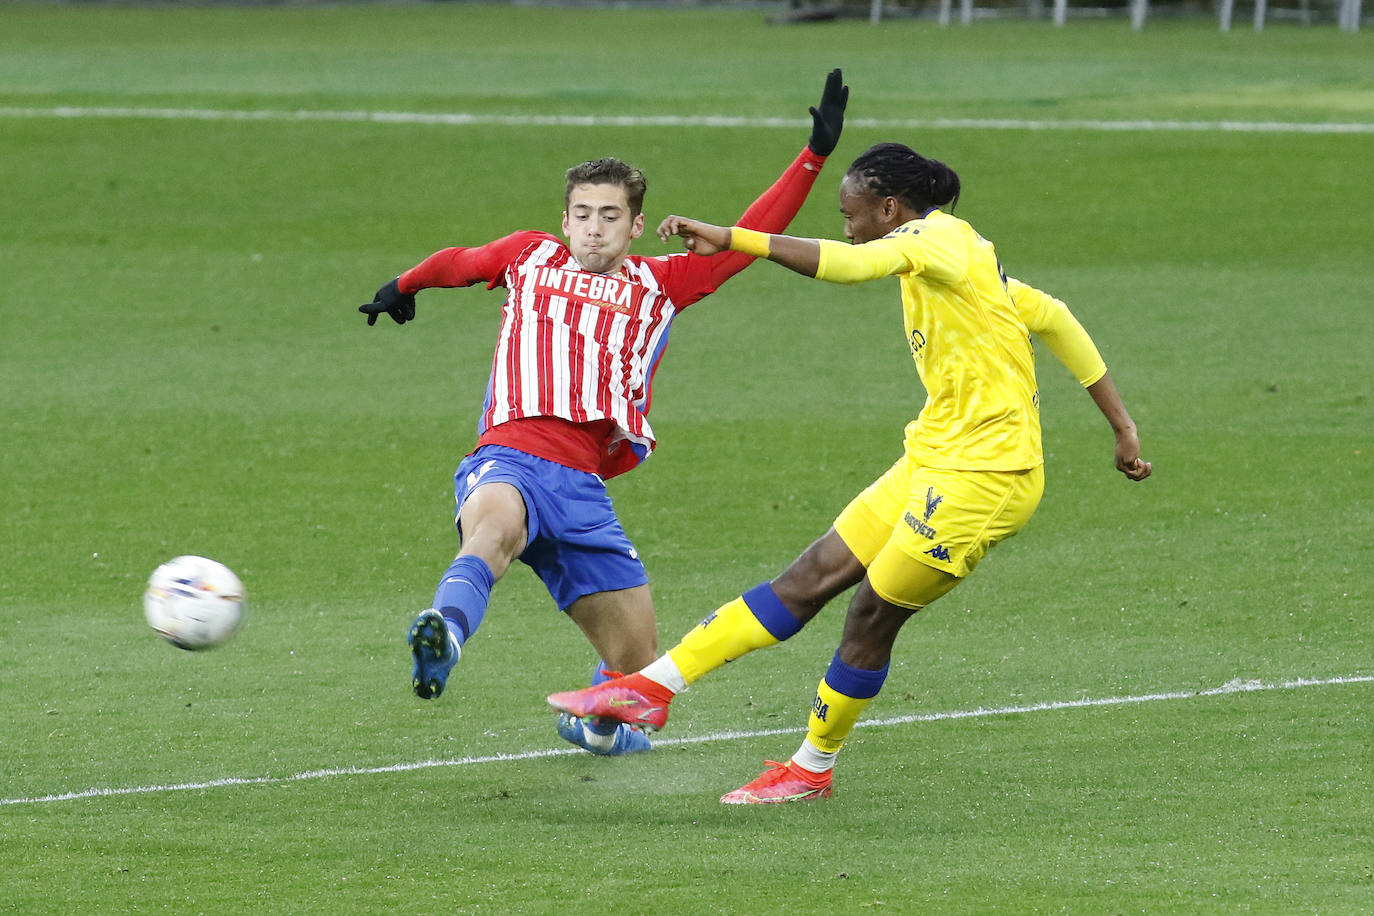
{"x": 827, "y": 120}
{"x": 400, "y": 306}
{"x": 697, "y": 237}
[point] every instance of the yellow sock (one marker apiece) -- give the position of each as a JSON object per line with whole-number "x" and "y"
{"x": 832, "y": 717}
{"x": 730, "y": 632}
{"x": 841, "y": 698}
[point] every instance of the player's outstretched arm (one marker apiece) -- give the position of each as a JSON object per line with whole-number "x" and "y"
{"x": 801, "y": 255}
{"x": 1108, "y": 401}
{"x": 446, "y": 269}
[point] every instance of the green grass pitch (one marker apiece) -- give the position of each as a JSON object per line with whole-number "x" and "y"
{"x": 184, "y": 372}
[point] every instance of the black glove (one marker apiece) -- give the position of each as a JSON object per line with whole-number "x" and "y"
{"x": 400, "y": 306}
{"x": 828, "y": 119}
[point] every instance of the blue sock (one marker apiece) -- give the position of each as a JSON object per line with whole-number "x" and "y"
{"x": 463, "y": 594}
{"x": 771, "y": 613}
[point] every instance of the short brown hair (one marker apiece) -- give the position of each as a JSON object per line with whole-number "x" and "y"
{"x": 609, "y": 171}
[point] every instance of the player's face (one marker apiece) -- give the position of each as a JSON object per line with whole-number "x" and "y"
{"x": 599, "y": 226}
{"x": 866, "y": 215}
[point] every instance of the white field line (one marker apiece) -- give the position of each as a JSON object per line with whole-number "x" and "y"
{"x": 462, "y": 119}
{"x": 1231, "y": 687}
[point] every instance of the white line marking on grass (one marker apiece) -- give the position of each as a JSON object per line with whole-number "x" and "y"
{"x": 463, "y": 119}
{"x": 1234, "y": 686}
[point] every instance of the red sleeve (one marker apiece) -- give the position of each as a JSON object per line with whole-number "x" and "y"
{"x": 687, "y": 278}
{"x": 466, "y": 266}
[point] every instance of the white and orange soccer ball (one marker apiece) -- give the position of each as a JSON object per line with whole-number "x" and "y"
{"x": 193, "y": 602}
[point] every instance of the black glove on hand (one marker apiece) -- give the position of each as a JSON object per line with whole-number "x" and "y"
{"x": 400, "y": 306}
{"x": 828, "y": 119}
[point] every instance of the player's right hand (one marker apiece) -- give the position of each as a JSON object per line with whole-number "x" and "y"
{"x": 697, "y": 237}
{"x": 1128, "y": 460}
{"x": 400, "y": 306}
{"x": 827, "y": 120}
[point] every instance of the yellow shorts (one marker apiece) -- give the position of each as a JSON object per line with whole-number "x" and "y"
{"x": 941, "y": 519}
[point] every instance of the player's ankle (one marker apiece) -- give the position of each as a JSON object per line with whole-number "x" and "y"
{"x": 651, "y": 690}
{"x": 665, "y": 672}
{"x": 812, "y": 777}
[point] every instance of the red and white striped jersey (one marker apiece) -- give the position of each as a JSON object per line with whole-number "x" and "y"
{"x": 583, "y": 347}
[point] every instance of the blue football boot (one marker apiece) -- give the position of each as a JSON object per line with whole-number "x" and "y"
{"x": 625, "y": 739}
{"x": 435, "y": 651}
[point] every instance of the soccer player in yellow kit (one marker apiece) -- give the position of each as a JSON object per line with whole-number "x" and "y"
{"x": 971, "y": 474}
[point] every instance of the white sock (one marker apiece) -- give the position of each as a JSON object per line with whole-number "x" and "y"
{"x": 597, "y": 741}
{"x": 810, "y": 757}
{"x": 664, "y": 672}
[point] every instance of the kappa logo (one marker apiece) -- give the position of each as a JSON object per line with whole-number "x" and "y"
{"x": 706, "y": 621}
{"x": 939, "y": 552}
{"x": 932, "y": 502}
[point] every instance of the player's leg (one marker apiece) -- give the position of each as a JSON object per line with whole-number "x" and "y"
{"x": 766, "y": 614}
{"x": 619, "y": 624}
{"x": 763, "y": 616}
{"x": 953, "y": 519}
{"x": 494, "y": 521}
{"x": 759, "y": 618}
{"x": 776, "y": 610}
{"x": 855, "y": 676}
{"x": 594, "y": 573}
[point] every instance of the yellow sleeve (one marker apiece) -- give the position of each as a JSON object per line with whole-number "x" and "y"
{"x": 933, "y": 252}
{"x": 1053, "y": 323}
{"x": 841, "y": 263}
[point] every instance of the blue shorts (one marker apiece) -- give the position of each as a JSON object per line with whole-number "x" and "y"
{"x": 576, "y": 545}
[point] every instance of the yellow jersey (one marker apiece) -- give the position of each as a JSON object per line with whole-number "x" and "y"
{"x": 967, "y": 325}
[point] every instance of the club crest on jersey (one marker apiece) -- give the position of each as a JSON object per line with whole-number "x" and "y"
{"x": 614, "y": 293}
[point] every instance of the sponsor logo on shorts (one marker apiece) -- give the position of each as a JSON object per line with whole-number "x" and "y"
{"x": 932, "y": 502}
{"x": 939, "y": 552}
{"x": 706, "y": 621}
{"x": 920, "y": 527}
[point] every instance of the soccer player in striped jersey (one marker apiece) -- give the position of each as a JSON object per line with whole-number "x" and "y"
{"x": 583, "y": 328}
{"x": 970, "y": 476}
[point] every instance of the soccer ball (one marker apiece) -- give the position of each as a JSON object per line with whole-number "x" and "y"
{"x": 193, "y": 602}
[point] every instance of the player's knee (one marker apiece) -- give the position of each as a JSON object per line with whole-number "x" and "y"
{"x": 824, "y": 569}
{"x": 870, "y": 629}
